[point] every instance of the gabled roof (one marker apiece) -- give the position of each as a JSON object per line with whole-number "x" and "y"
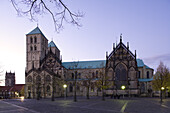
{"x": 52, "y": 44}
{"x": 124, "y": 47}
{"x": 85, "y": 64}
{"x": 36, "y": 31}
{"x": 140, "y": 63}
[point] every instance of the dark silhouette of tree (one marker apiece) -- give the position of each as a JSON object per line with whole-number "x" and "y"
{"x": 87, "y": 83}
{"x": 103, "y": 83}
{"x": 58, "y": 10}
{"x": 161, "y": 79}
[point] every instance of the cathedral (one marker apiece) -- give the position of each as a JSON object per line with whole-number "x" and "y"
{"x": 46, "y": 74}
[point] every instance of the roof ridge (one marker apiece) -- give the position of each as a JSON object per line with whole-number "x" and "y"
{"x": 36, "y": 31}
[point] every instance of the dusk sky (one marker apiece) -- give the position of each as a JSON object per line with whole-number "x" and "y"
{"x": 145, "y": 24}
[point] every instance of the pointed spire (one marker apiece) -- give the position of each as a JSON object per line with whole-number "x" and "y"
{"x": 106, "y": 55}
{"x": 127, "y": 45}
{"x": 121, "y": 38}
{"x": 135, "y": 53}
{"x": 37, "y": 24}
{"x": 50, "y": 49}
{"x": 61, "y": 58}
{"x": 113, "y": 46}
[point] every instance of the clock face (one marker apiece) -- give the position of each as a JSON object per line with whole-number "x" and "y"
{"x": 50, "y": 62}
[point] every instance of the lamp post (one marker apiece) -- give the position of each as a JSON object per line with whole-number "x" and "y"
{"x": 123, "y": 88}
{"x": 65, "y": 86}
{"x": 162, "y": 88}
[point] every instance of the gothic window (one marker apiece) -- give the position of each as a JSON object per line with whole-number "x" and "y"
{"x": 29, "y": 79}
{"x": 79, "y": 75}
{"x": 31, "y": 48}
{"x": 96, "y": 73}
{"x": 71, "y": 88}
{"x": 93, "y": 75}
{"x": 35, "y": 47}
{"x": 147, "y": 74}
{"x": 31, "y": 39}
{"x": 121, "y": 73}
{"x": 48, "y": 78}
{"x": 38, "y": 79}
{"x": 72, "y": 75}
{"x": 48, "y": 88}
{"x": 35, "y": 39}
{"x": 139, "y": 74}
{"x": 29, "y": 88}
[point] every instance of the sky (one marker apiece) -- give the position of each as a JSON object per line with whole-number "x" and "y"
{"x": 143, "y": 23}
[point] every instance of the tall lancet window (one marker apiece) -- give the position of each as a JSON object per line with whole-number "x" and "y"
{"x": 121, "y": 72}
{"x": 35, "y": 47}
{"x": 35, "y": 39}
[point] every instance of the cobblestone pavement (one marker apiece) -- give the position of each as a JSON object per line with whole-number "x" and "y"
{"x": 93, "y": 105}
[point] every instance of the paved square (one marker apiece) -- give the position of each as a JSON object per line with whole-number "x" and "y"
{"x": 93, "y": 105}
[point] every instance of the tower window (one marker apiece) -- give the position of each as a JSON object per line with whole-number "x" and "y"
{"x": 139, "y": 74}
{"x": 35, "y": 48}
{"x": 31, "y": 40}
{"x": 35, "y": 39}
{"x": 147, "y": 74}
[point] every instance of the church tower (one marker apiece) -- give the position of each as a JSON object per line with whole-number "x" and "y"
{"x": 9, "y": 79}
{"x": 36, "y": 48}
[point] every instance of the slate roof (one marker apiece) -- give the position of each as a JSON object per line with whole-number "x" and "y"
{"x": 52, "y": 44}
{"x": 36, "y": 31}
{"x": 94, "y": 64}
{"x": 140, "y": 63}
{"x": 145, "y": 79}
{"x": 85, "y": 64}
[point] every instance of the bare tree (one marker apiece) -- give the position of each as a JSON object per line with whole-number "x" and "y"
{"x": 58, "y": 10}
{"x": 103, "y": 83}
{"x": 87, "y": 83}
{"x": 161, "y": 79}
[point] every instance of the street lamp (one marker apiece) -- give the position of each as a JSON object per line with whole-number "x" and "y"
{"x": 162, "y": 88}
{"x": 123, "y": 88}
{"x": 65, "y": 86}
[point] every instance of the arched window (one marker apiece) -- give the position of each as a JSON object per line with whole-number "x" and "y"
{"x": 79, "y": 75}
{"x": 48, "y": 88}
{"x": 38, "y": 79}
{"x": 121, "y": 73}
{"x": 93, "y": 75}
{"x": 31, "y": 39}
{"x": 48, "y": 78}
{"x": 35, "y": 39}
{"x": 96, "y": 73}
{"x": 72, "y": 75}
{"x": 29, "y": 79}
{"x": 71, "y": 88}
{"x": 35, "y": 47}
{"x": 139, "y": 74}
{"x": 147, "y": 74}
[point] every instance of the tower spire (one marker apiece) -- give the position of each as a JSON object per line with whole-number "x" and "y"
{"x": 121, "y": 37}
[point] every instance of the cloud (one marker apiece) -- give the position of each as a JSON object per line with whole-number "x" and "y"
{"x": 155, "y": 60}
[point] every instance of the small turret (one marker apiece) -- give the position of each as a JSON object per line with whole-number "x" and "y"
{"x": 121, "y": 38}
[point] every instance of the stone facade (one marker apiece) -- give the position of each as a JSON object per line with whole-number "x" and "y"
{"x": 46, "y": 73}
